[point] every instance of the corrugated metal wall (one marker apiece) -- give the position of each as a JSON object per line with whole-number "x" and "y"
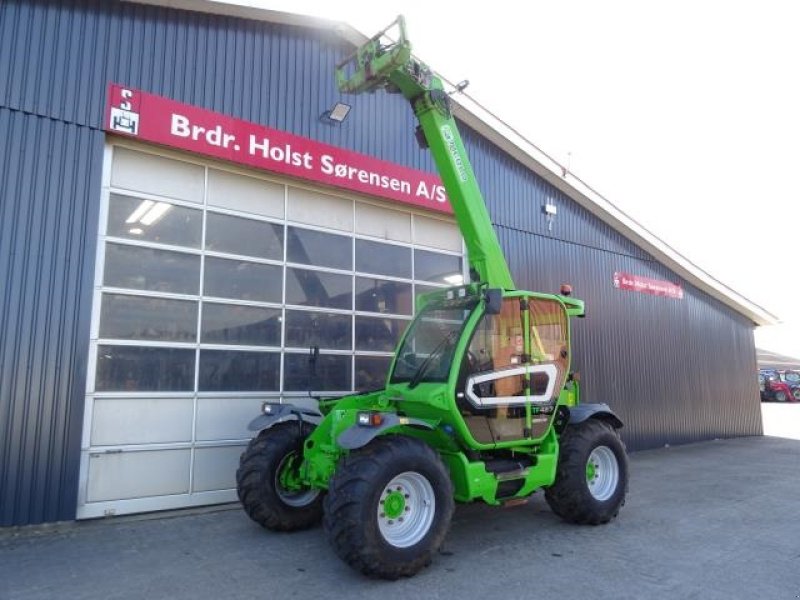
{"x": 677, "y": 371}
{"x": 49, "y": 183}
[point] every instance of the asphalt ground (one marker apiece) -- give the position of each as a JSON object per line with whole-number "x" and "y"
{"x": 713, "y": 520}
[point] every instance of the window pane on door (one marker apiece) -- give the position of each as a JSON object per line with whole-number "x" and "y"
{"x": 242, "y": 280}
{"x": 309, "y": 247}
{"x": 315, "y": 288}
{"x": 239, "y": 371}
{"x": 383, "y": 259}
{"x": 439, "y": 268}
{"x": 371, "y": 371}
{"x": 143, "y": 318}
{"x": 138, "y": 369}
{"x": 154, "y": 221}
{"x": 332, "y": 373}
{"x": 150, "y": 269}
{"x": 328, "y": 331}
{"x": 235, "y": 235}
{"x": 242, "y": 325}
{"x": 381, "y": 296}
{"x": 379, "y": 335}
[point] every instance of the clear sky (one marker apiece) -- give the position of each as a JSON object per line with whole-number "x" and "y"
{"x": 685, "y": 114}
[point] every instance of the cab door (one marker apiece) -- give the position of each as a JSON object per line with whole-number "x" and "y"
{"x": 514, "y": 367}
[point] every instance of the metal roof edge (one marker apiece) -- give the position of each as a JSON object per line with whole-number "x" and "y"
{"x": 246, "y": 12}
{"x": 468, "y": 111}
{"x": 507, "y": 139}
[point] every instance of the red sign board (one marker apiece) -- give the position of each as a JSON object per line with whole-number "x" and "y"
{"x": 656, "y": 287}
{"x": 152, "y": 118}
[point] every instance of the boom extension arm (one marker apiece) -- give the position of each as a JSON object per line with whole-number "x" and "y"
{"x": 392, "y": 67}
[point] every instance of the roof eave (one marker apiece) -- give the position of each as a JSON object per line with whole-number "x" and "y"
{"x": 476, "y": 117}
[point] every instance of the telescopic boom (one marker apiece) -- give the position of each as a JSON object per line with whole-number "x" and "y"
{"x": 376, "y": 65}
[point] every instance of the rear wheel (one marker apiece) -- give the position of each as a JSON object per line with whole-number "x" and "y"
{"x": 592, "y": 476}
{"x": 780, "y": 396}
{"x": 796, "y": 393}
{"x": 266, "y": 480}
{"x": 389, "y": 507}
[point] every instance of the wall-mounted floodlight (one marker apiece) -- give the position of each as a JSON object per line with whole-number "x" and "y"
{"x": 551, "y": 210}
{"x": 336, "y": 115}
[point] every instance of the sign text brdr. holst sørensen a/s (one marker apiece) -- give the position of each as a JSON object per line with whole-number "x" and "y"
{"x": 163, "y": 121}
{"x": 647, "y": 285}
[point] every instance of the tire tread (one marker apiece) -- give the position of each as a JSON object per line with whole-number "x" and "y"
{"x": 569, "y": 497}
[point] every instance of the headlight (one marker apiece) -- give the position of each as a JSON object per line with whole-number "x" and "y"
{"x": 370, "y": 419}
{"x": 268, "y": 408}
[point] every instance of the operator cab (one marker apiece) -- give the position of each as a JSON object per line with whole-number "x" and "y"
{"x": 517, "y": 354}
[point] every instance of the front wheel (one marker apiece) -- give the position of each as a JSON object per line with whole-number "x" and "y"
{"x": 780, "y": 396}
{"x": 592, "y": 476}
{"x": 389, "y": 507}
{"x": 265, "y": 480}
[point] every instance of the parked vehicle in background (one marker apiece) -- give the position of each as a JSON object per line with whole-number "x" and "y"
{"x": 792, "y": 379}
{"x": 773, "y": 388}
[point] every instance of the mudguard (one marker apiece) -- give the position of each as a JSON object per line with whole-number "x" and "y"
{"x": 357, "y": 436}
{"x": 283, "y": 412}
{"x": 582, "y": 412}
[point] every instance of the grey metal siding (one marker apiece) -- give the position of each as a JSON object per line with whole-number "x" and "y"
{"x": 677, "y": 371}
{"x": 49, "y": 183}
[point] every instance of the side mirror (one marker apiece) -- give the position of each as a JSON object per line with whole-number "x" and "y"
{"x": 494, "y": 301}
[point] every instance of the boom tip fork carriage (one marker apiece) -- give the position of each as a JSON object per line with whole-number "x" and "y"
{"x": 479, "y": 402}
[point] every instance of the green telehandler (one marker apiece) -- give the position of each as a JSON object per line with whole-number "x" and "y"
{"x": 479, "y": 402}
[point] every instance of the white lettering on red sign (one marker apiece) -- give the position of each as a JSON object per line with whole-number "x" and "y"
{"x": 645, "y": 285}
{"x": 163, "y": 121}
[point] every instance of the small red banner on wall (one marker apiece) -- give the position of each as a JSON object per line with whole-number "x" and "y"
{"x": 655, "y": 287}
{"x": 152, "y": 118}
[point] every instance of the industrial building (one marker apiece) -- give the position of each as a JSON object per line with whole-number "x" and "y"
{"x": 184, "y": 213}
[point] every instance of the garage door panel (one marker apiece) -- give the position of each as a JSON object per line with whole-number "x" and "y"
{"x": 121, "y": 421}
{"x": 248, "y": 194}
{"x": 382, "y": 223}
{"x": 226, "y": 418}
{"x": 137, "y": 474}
{"x": 436, "y": 234}
{"x": 151, "y": 174}
{"x": 306, "y": 206}
{"x": 215, "y": 468}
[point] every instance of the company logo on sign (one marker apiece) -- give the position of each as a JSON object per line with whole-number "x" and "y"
{"x": 123, "y": 118}
{"x": 163, "y": 121}
{"x": 655, "y": 287}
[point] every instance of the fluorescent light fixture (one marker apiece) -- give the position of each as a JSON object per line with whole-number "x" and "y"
{"x": 136, "y": 231}
{"x": 155, "y": 213}
{"x": 143, "y": 207}
{"x": 456, "y": 279}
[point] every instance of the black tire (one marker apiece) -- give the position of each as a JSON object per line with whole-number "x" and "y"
{"x": 796, "y": 394}
{"x": 259, "y": 490}
{"x": 571, "y": 497}
{"x": 358, "y": 489}
{"x": 780, "y": 396}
